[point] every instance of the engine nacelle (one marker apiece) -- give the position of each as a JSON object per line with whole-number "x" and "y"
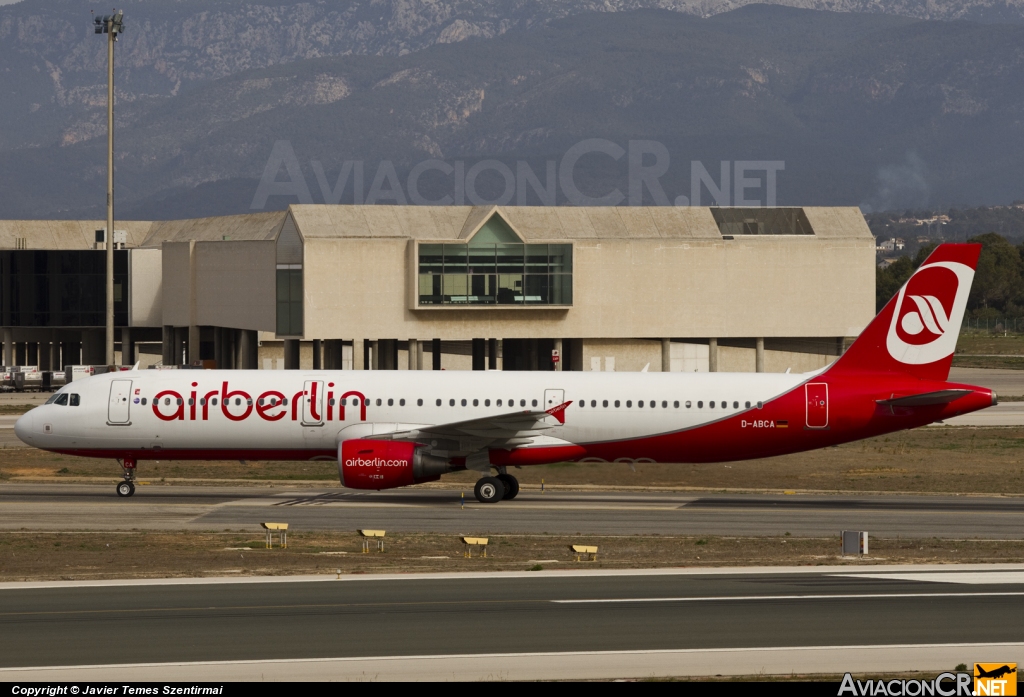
{"x": 385, "y": 464}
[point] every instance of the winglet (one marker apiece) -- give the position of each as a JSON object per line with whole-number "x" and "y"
{"x": 559, "y": 411}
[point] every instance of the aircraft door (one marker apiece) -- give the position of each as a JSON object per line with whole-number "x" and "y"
{"x": 816, "y": 394}
{"x": 552, "y": 398}
{"x": 118, "y": 408}
{"x": 313, "y": 403}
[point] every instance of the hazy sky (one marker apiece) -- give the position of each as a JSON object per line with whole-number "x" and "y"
{"x": 8, "y": 2}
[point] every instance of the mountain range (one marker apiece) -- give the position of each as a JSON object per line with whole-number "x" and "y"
{"x": 871, "y": 105}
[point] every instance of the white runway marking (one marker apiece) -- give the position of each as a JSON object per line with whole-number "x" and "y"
{"x": 853, "y": 572}
{"x": 965, "y": 577}
{"x": 564, "y": 665}
{"x": 828, "y": 596}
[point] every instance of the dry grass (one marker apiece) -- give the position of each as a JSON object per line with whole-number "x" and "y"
{"x": 990, "y": 343}
{"x": 928, "y": 460}
{"x": 35, "y": 556}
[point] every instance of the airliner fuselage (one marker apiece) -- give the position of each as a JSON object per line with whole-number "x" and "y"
{"x": 393, "y": 428}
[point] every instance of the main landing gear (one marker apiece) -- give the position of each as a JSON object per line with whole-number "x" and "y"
{"x": 127, "y": 487}
{"x": 503, "y": 487}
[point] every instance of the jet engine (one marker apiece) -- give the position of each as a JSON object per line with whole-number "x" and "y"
{"x": 385, "y": 464}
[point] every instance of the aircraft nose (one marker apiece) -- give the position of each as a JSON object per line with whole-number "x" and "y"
{"x": 25, "y": 427}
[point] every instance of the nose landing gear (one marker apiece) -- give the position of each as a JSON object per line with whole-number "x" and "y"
{"x": 127, "y": 487}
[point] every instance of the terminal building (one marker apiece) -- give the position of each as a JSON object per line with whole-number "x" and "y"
{"x": 446, "y": 288}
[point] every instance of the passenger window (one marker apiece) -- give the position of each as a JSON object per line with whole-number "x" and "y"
{"x": 439, "y": 402}
{"x": 62, "y": 399}
{"x": 487, "y": 402}
{"x": 476, "y": 402}
{"x": 143, "y": 401}
{"x": 674, "y": 405}
{"x": 747, "y": 405}
{"x": 463, "y": 402}
{"x": 419, "y": 402}
{"x": 688, "y": 403}
{"x": 735, "y": 405}
{"x": 75, "y": 400}
{"x": 329, "y": 401}
{"x": 664, "y": 405}
{"x": 700, "y": 405}
{"x": 629, "y": 402}
{"x": 378, "y": 401}
{"x": 593, "y": 402}
{"x": 759, "y": 405}
{"x": 605, "y": 403}
{"x": 344, "y": 402}
{"x": 191, "y": 402}
{"x": 583, "y": 402}
{"x": 355, "y": 402}
{"x": 535, "y": 402}
{"x": 522, "y": 402}
{"x": 711, "y": 404}
{"x": 498, "y": 403}
{"x": 616, "y": 404}
{"x": 238, "y": 401}
{"x": 640, "y": 404}
{"x": 401, "y": 402}
{"x": 249, "y": 401}
{"x": 167, "y": 401}
{"x": 391, "y": 403}
{"x": 451, "y": 402}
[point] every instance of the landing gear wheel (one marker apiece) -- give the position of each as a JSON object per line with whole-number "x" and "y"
{"x": 489, "y": 490}
{"x": 125, "y": 489}
{"x": 511, "y": 486}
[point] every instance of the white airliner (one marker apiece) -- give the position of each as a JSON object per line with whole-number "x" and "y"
{"x": 388, "y": 429}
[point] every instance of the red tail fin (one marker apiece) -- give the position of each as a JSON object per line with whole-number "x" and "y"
{"x": 917, "y": 330}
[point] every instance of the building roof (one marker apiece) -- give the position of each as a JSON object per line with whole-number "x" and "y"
{"x": 249, "y": 226}
{"x": 543, "y": 222}
{"x": 65, "y": 234}
{"x": 418, "y": 222}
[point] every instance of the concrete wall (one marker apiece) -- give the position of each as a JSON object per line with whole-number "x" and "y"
{"x": 751, "y": 287}
{"x": 627, "y": 355}
{"x": 236, "y": 283}
{"x": 176, "y": 264}
{"x": 145, "y": 306}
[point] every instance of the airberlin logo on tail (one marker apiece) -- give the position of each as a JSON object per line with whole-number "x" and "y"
{"x": 929, "y": 308}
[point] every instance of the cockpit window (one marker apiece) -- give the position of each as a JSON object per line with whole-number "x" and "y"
{"x": 53, "y": 398}
{"x": 61, "y": 399}
{"x": 74, "y": 400}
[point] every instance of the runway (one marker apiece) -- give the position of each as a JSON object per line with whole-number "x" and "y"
{"x": 519, "y": 625}
{"x": 1002, "y": 414}
{"x": 89, "y": 507}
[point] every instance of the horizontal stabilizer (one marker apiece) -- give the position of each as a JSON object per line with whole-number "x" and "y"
{"x": 925, "y": 399}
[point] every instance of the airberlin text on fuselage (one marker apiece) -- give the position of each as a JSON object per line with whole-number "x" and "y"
{"x": 238, "y": 405}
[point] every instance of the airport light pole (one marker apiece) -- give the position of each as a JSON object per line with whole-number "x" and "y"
{"x": 111, "y": 25}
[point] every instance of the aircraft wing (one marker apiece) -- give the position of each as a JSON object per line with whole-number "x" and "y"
{"x": 508, "y": 430}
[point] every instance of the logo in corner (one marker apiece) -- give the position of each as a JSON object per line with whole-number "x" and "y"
{"x": 929, "y": 307}
{"x": 995, "y": 679}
